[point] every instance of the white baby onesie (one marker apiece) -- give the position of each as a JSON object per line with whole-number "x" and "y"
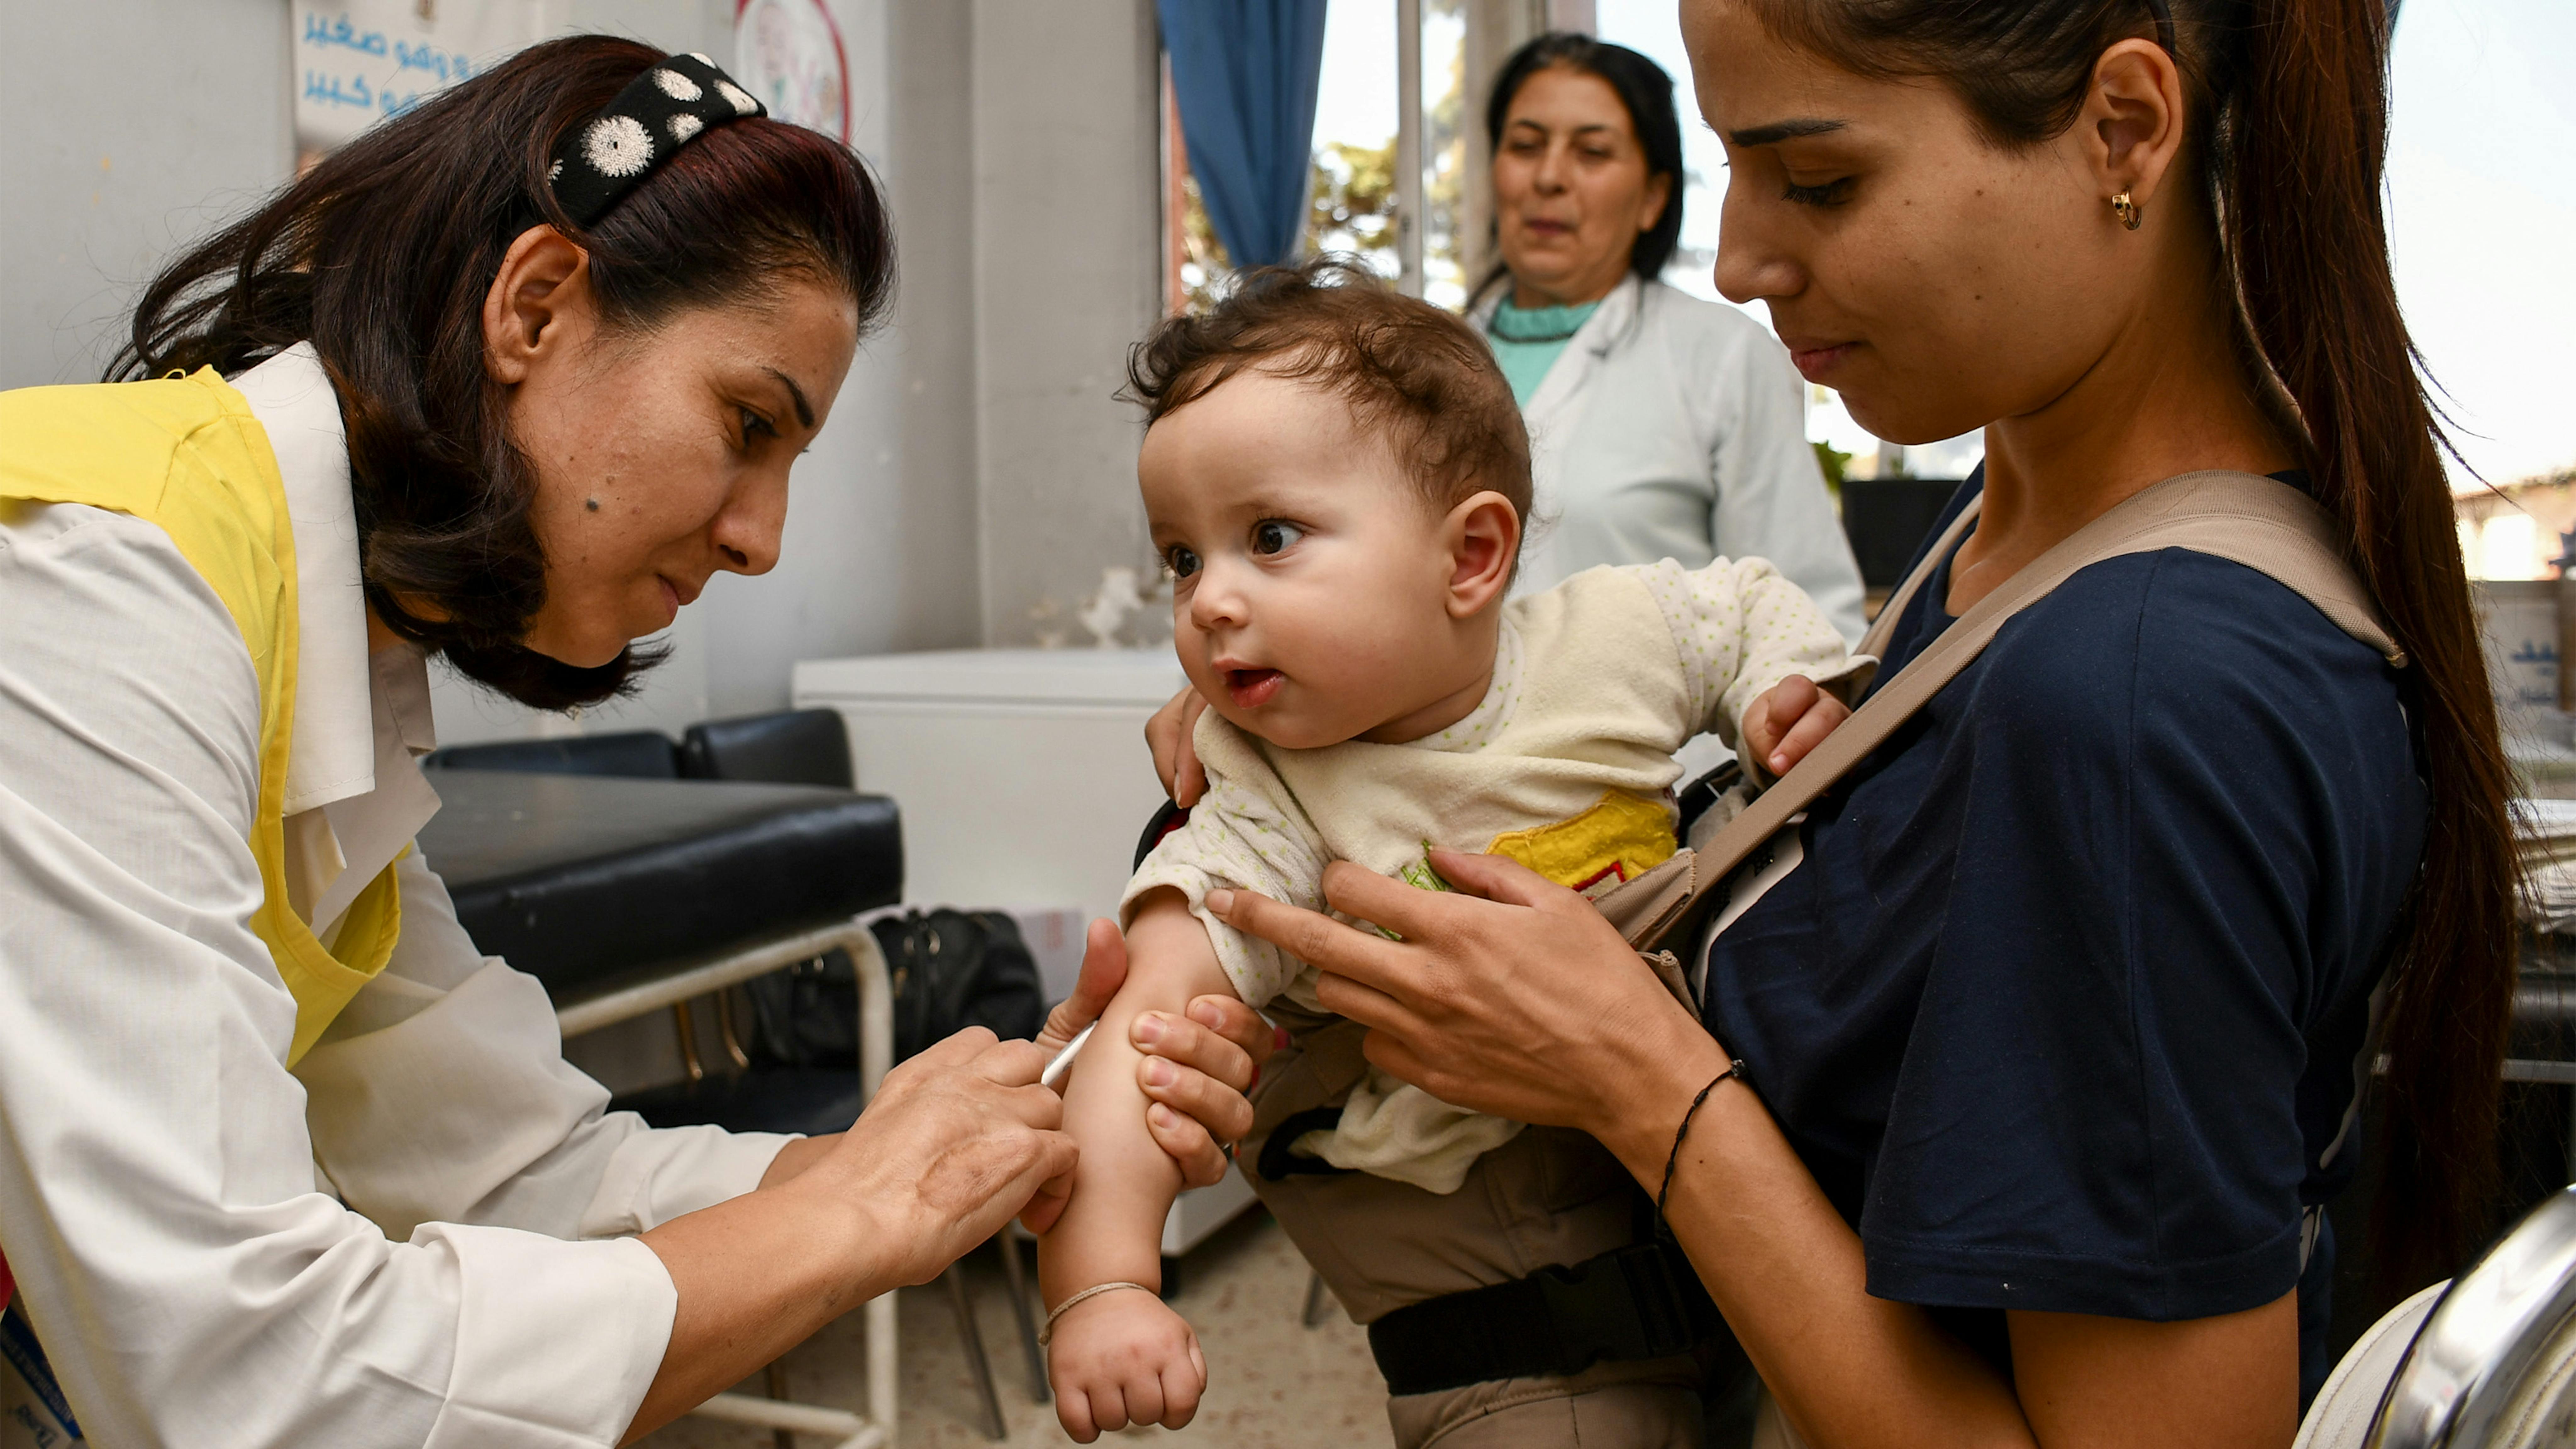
{"x": 1566, "y": 765}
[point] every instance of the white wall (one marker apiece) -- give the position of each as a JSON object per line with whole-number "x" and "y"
{"x": 1068, "y": 275}
{"x": 133, "y": 125}
{"x": 930, "y": 173}
{"x": 878, "y": 553}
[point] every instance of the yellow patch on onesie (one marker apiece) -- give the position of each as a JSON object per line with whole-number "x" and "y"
{"x": 1623, "y": 836}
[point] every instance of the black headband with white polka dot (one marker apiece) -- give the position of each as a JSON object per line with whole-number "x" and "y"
{"x": 659, "y": 112}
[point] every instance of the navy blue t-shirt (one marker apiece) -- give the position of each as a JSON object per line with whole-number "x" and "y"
{"x": 2063, "y": 1007}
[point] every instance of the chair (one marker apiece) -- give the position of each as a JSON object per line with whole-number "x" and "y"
{"x": 2486, "y": 1361}
{"x": 791, "y": 747}
{"x": 634, "y": 755}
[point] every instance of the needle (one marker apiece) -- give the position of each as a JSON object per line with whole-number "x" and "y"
{"x": 1063, "y": 1062}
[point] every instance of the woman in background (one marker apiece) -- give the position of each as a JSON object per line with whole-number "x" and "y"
{"x": 1661, "y": 426}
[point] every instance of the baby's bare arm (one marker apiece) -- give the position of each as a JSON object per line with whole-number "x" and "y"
{"x": 1123, "y": 1357}
{"x": 1124, "y": 1185}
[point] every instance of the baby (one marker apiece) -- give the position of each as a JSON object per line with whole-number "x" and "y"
{"x": 1336, "y": 478}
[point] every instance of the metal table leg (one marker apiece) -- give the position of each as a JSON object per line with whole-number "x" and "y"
{"x": 976, "y": 1363}
{"x": 1023, "y": 1314}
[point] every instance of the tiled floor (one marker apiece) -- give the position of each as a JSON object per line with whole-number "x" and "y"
{"x": 1271, "y": 1383}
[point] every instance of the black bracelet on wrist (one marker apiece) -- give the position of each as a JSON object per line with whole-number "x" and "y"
{"x": 1734, "y": 1068}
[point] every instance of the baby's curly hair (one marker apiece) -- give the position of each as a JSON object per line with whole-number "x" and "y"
{"x": 1417, "y": 374}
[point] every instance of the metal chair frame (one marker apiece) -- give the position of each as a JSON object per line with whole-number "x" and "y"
{"x": 874, "y": 1429}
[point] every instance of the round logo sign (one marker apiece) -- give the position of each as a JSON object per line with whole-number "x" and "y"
{"x": 789, "y": 53}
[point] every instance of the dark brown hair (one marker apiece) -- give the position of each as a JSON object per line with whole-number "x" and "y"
{"x": 381, "y": 256}
{"x": 2289, "y": 135}
{"x": 1405, "y": 367}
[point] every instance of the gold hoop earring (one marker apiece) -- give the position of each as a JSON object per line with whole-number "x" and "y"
{"x": 2129, "y": 212}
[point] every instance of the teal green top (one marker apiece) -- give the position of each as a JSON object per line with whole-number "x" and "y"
{"x": 1526, "y": 342}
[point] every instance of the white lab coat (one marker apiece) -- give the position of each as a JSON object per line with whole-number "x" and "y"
{"x": 1675, "y": 428}
{"x": 420, "y": 1235}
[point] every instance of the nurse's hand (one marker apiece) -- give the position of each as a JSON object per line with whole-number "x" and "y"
{"x": 1510, "y": 995}
{"x": 955, "y": 1143}
{"x": 1176, "y": 757}
{"x": 1196, "y": 1068}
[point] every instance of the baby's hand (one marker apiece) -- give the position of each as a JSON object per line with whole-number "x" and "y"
{"x": 1122, "y": 1358}
{"x": 1788, "y": 720}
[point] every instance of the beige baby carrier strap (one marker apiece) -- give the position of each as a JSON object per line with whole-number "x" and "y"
{"x": 2259, "y": 522}
{"x": 2266, "y": 525}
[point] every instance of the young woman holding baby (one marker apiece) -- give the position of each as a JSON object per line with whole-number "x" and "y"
{"x": 2050, "y": 1043}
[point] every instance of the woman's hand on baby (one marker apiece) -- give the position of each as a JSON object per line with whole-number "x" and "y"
{"x": 1124, "y": 1358}
{"x": 1508, "y": 994}
{"x": 1170, "y": 734}
{"x": 1196, "y": 1068}
{"x": 1788, "y": 720}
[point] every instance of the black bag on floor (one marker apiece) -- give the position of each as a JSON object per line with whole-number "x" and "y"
{"x": 950, "y": 969}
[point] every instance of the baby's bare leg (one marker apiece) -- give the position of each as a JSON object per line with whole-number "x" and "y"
{"x": 1123, "y": 1357}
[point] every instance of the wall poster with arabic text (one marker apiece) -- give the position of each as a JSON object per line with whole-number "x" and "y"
{"x": 357, "y": 62}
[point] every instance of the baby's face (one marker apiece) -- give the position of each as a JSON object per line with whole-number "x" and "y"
{"x": 1311, "y": 598}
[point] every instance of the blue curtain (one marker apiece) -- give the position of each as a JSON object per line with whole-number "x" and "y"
{"x": 1244, "y": 73}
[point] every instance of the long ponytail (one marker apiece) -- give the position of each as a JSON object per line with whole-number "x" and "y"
{"x": 2302, "y": 141}
{"x": 2290, "y": 113}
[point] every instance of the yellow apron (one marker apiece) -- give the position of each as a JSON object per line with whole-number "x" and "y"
{"x": 186, "y": 456}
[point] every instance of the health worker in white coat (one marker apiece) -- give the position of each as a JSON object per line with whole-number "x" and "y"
{"x": 284, "y": 1159}
{"x": 1661, "y": 425}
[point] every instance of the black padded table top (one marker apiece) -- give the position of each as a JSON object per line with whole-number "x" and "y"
{"x": 578, "y": 878}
